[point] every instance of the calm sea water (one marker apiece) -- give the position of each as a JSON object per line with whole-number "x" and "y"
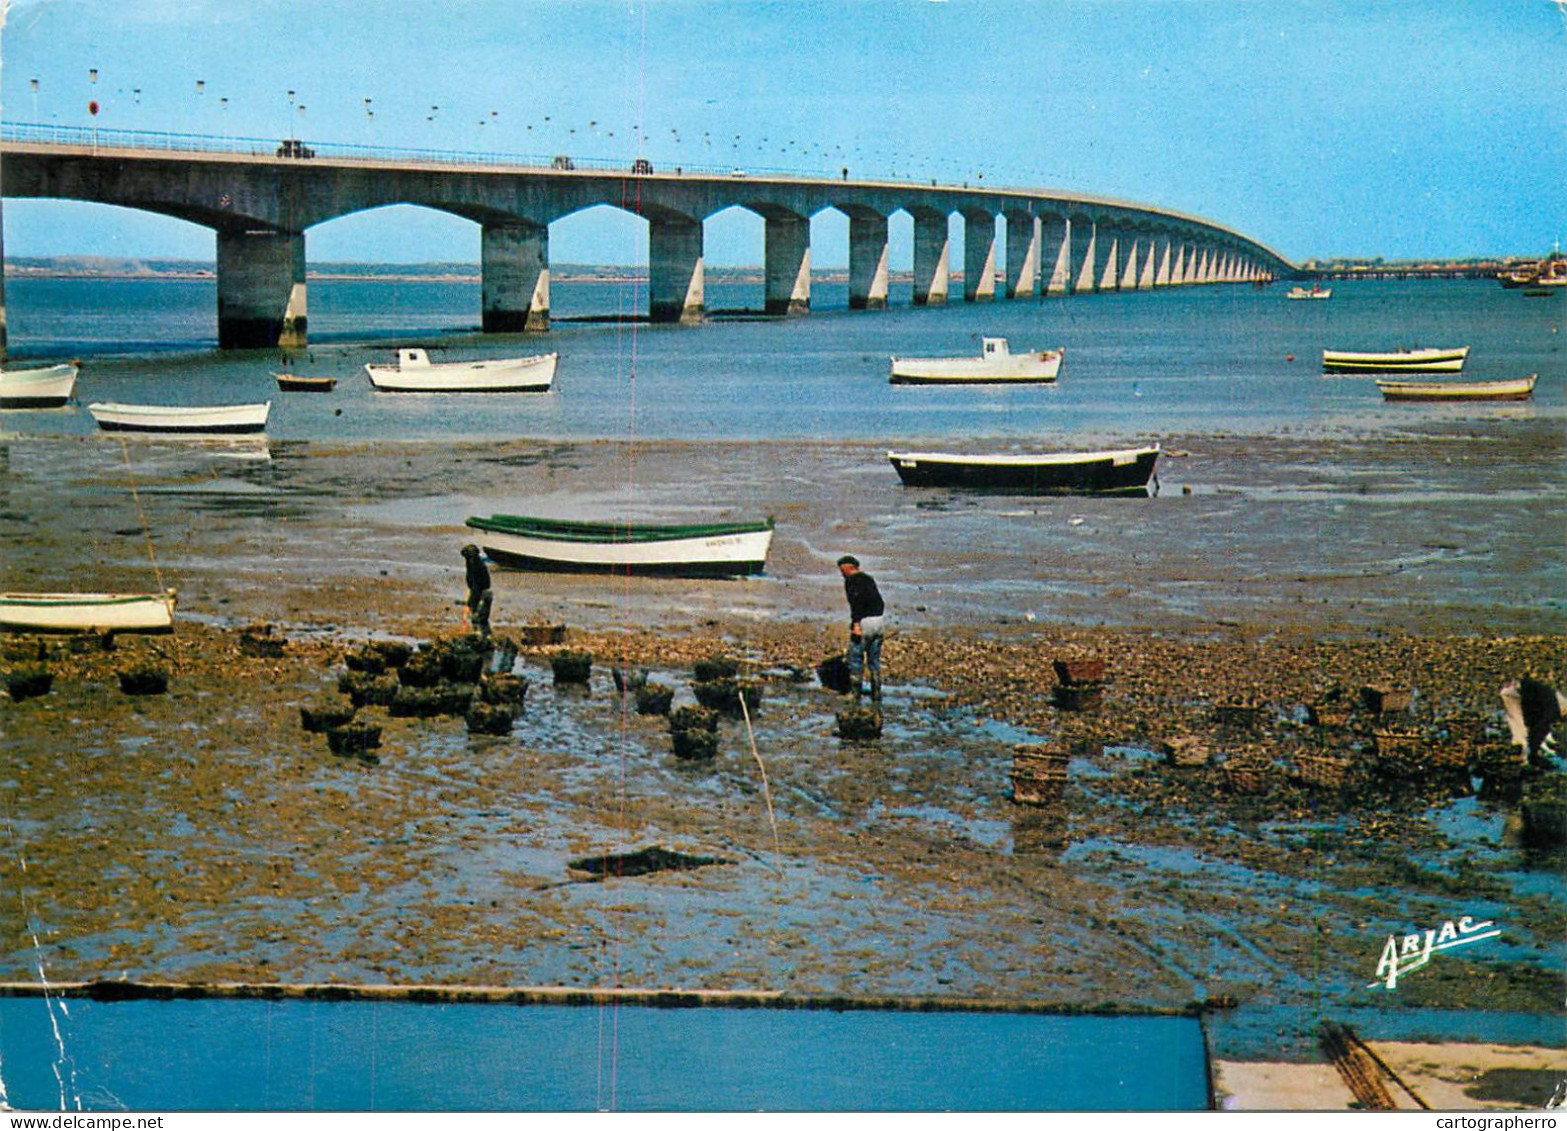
{"x": 1224, "y": 359}
{"x": 340, "y": 1056}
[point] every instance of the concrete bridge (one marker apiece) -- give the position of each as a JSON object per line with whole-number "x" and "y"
{"x": 260, "y": 198}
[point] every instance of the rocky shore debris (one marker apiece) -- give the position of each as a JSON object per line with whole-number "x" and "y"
{"x": 641, "y": 862}
{"x": 693, "y": 732}
{"x": 572, "y": 667}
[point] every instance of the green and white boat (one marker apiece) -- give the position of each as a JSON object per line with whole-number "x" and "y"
{"x": 713, "y": 549}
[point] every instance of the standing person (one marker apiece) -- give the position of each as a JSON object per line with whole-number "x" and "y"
{"x": 867, "y": 615}
{"x": 480, "y": 597}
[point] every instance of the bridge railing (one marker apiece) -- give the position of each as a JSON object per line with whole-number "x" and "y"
{"x": 87, "y": 137}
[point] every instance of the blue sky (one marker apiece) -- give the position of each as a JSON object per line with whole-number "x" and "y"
{"x": 1320, "y": 127}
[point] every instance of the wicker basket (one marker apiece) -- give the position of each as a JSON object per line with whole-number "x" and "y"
{"x": 1038, "y": 775}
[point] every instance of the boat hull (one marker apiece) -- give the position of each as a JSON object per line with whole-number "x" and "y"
{"x": 515, "y": 375}
{"x": 1458, "y": 391}
{"x": 49, "y": 387}
{"x": 290, "y": 383}
{"x": 1398, "y": 361}
{"x": 205, "y": 420}
{"x": 718, "y": 550}
{"x": 87, "y": 612}
{"x": 1015, "y": 369}
{"x": 1127, "y": 471}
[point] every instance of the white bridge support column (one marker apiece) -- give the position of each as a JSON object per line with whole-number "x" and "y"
{"x": 787, "y": 250}
{"x": 979, "y": 256}
{"x": 514, "y": 264}
{"x": 1022, "y": 255}
{"x": 1056, "y": 258}
{"x": 1113, "y": 253}
{"x": 1149, "y": 268}
{"x": 1162, "y": 273}
{"x": 261, "y": 289}
{"x": 676, "y": 275}
{"x": 868, "y": 271}
{"x": 1084, "y": 248}
{"x": 1133, "y": 262}
{"x": 932, "y": 270}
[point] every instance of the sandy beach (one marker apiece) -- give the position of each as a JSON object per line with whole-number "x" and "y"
{"x": 202, "y": 835}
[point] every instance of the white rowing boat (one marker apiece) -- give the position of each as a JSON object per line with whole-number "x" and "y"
{"x": 414, "y": 372}
{"x": 199, "y": 419}
{"x": 1511, "y": 389}
{"x": 1396, "y": 361}
{"x": 712, "y": 549}
{"x": 46, "y": 387}
{"x": 996, "y": 364}
{"x": 87, "y": 612}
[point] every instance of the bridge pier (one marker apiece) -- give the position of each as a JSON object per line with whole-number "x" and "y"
{"x": 932, "y": 275}
{"x": 868, "y": 270}
{"x": 1162, "y": 275}
{"x": 1110, "y": 247}
{"x": 1129, "y": 271}
{"x": 787, "y": 252}
{"x": 1146, "y": 272}
{"x": 514, "y": 264}
{"x": 676, "y": 276}
{"x": 1022, "y": 254}
{"x": 979, "y": 256}
{"x": 1084, "y": 240}
{"x": 261, "y": 289}
{"x": 1056, "y": 266}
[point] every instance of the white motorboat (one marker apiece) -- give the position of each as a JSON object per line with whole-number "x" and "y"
{"x": 996, "y": 364}
{"x": 414, "y": 372}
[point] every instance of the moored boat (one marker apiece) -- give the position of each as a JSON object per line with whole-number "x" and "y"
{"x": 47, "y": 387}
{"x": 1314, "y": 291}
{"x": 1513, "y": 389}
{"x": 414, "y": 372}
{"x": 87, "y": 612}
{"x": 1125, "y": 471}
{"x": 996, "y": 364}
{"x": 197, "y": 419}
{"x": 300, "y": 383}
{"x": 714, "y": 549}
{"x": 1450, "y": 360}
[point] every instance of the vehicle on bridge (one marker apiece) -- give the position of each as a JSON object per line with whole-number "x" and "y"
{"x": 642, "y": 167}
{"x": 562, "y": 162}
{"x": 296, "y": 149}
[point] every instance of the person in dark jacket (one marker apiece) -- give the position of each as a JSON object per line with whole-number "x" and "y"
{"x": 867, "y": 616}
{"x": 480, "y": 597}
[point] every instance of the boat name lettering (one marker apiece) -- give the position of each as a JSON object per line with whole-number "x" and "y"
{"x": 1402, "y": 954}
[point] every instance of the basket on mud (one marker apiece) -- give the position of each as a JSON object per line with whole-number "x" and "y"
{"x": 1187, "y": 751}
{"x": 655, "y": 699}
{"x": 430, "y": 702}
{"x": 1416, "y": 754}
{"x": 463, "y": 659}
{"x": 1330, "y": 772}
{"x": 490, "y": 718}
{"x": 859, "y": 724}
{"x": 572, "y": 667}
{"x": 423, "y": 669}
{"x": 26, "y": 683}
{"x": 258, "y": 641}
{"x": 1076, "y": 673}
{"x": 503, "y": 690}
{"x": 1038, "y": 775}
{"x": 355, "y": 740}
{"x": 365, "y": 690}
{"x": 541, "y": 635}
{"x": 144, "y": 681}
{"x": 726, "y": 695}
{"x": 715, "y": 667}
{"x": 693, "y": 732}
{"x": 368, "y": 660}
{"x": 1381, "y": 699}
{"x": 318, "y": 718}
{"x": 1247, "y": 774}
{"x": 1238, "y": 716}
{"x": 833, "y": 673}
